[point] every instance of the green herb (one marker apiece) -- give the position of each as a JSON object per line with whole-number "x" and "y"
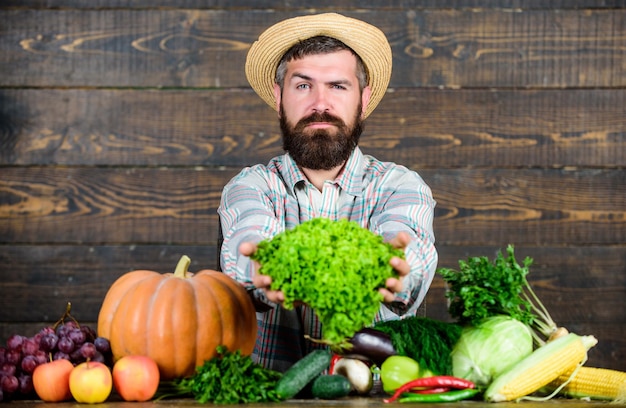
{"x": 335, "y": 267}
{"x": 427, "y": 341}
{"x": 482, "y": 289}
{"x": 230, "y": 378}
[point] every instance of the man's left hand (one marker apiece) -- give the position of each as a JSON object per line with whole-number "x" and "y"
{"x": 394, "y": 285}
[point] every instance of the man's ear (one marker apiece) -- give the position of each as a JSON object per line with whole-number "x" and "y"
{"x": 365, "y": 99}
{"x": 277, "y": 95}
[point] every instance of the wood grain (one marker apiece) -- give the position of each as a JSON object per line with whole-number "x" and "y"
{"x": 446, "y": 47}
{"x": 121, "y": 121}
{"x": 178, "y": 205}
{"x": 582, "y": 287}
{"x": 321, "y": 5}
{"x": 421, "y": 128}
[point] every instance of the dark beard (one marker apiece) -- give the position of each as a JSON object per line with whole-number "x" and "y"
{"x": 320, "y": 150}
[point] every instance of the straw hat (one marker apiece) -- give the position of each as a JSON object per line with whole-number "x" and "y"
{"x": 366, "y": 40}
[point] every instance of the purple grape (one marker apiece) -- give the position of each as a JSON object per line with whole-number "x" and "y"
{"x": 76, "y": 357}
{"x": 65, "y": 344}
{"x": 29, "y": 363}
{"x": 8, "y": 369}
{"x": 90, "y": 334}
{"x": 26, "y": 384}
{"x": 88, "y": 350}
{"x": 46, "y": 330}
{"x": 41, "y": 356}
{"x": 70, "y": 324}
{"x": 102, "y": 344}
{"x": 12, "y": 357}
{"x": 99, "y": 357}
{"x": 10, "y": 384}
{"x": 29, "y": 347}
{"x": 77, "y": 336}
{"x": 48, "y": 341}
{"x": 15, "y": 342}
{"x": 61, "y": 331}
{"x": 61, "y": 355}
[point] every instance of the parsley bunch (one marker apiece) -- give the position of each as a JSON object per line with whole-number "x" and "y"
{"x": 230, "y": 378}
{"x": 335, "y": 267}
{"x": 482, "y": 289}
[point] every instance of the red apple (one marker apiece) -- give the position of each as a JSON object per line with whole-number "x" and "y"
{"x": 136, "y": 378}
{"x": 52, "y": 380}
{"x": 91, "y": 382}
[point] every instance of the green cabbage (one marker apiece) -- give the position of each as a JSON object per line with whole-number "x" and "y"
{"x": 485, "y": 351}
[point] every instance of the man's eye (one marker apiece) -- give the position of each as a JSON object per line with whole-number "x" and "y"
{"x": 303, "y": 86}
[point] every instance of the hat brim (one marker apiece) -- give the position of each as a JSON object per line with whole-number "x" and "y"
{"x": 367, "y": 41}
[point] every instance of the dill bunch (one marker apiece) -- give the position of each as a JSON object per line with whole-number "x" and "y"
{"x": 427, "y": 341}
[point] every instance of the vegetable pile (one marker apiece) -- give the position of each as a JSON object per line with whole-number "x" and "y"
{"x": 335, "y": 267}
{"x": 502, "y": 346}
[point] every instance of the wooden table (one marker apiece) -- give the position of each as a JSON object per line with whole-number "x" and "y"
{"x": 310, "y": 403}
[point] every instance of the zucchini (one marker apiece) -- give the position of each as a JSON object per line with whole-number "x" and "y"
{"x": 328, "y": 386}
{"x": 302, "y": 373}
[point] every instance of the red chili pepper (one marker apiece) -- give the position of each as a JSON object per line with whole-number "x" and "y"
{"x": 333, "y": 361}
{"x": 435, "y": 390}
{"x": 432, "y": 382}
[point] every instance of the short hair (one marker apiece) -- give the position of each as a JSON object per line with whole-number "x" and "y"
{"x": 320, "y": 44}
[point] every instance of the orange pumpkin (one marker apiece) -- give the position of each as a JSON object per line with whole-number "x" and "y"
{"x": 178, "y": 319}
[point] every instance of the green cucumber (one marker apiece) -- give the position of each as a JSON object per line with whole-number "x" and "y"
{"x": 301, "y": 373}
{"x": 328, "y": 386}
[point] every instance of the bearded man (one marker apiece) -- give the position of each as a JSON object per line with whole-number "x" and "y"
{"x": 324, "y": 74}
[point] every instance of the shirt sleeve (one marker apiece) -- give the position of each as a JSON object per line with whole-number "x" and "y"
{"x": 247, "y": 213}
{"x": 409, "y": 207}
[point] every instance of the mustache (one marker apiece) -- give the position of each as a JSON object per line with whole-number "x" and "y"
{"x": 320, "y": 117}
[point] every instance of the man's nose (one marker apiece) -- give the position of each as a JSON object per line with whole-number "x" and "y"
{"x": 321, "y": 102}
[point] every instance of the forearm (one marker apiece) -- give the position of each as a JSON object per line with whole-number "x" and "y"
{"x": 247, "y": 215}
{"x": 411, "y": 210}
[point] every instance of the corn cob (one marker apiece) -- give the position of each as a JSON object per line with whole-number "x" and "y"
{"x": 541, "y": 367}
{"x": 591, "y": 382}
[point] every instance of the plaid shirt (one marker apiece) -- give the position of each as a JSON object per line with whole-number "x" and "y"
{"x": 262, "y": 201}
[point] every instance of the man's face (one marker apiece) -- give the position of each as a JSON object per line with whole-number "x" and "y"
{"x": 321, "y": 109}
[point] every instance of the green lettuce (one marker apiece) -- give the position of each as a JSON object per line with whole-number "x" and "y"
{"x": 335, "y": 267}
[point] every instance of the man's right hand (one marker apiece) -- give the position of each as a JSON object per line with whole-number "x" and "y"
{"x": 262, "y": 282}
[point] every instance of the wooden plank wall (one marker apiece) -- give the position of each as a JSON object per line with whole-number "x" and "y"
{"x": 121, "y": 121}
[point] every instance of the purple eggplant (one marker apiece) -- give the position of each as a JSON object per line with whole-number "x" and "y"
{"x": 371, "y": 344}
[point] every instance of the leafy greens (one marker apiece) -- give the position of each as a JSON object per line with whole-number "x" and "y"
{"x": 482, "y": 289}
{"x": 230, "y": 378}
{"x": 427, "y": 341}
{"x": 335, "y": 267}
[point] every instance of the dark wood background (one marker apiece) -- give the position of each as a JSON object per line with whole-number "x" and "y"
{"x": 121, "y": 121}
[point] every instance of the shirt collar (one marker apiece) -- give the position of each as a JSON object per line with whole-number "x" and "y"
{"x": 350, "y": 178}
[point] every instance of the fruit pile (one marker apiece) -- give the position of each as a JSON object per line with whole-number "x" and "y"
{"x": 66, "y": 339}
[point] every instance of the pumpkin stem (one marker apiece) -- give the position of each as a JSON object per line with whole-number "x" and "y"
{"x": 182, "y": 266}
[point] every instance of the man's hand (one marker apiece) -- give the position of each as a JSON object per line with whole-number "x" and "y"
{"x": 393, "y": 285}
{"x": 261, "y": 281}
{"x": 401, "y": 266}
